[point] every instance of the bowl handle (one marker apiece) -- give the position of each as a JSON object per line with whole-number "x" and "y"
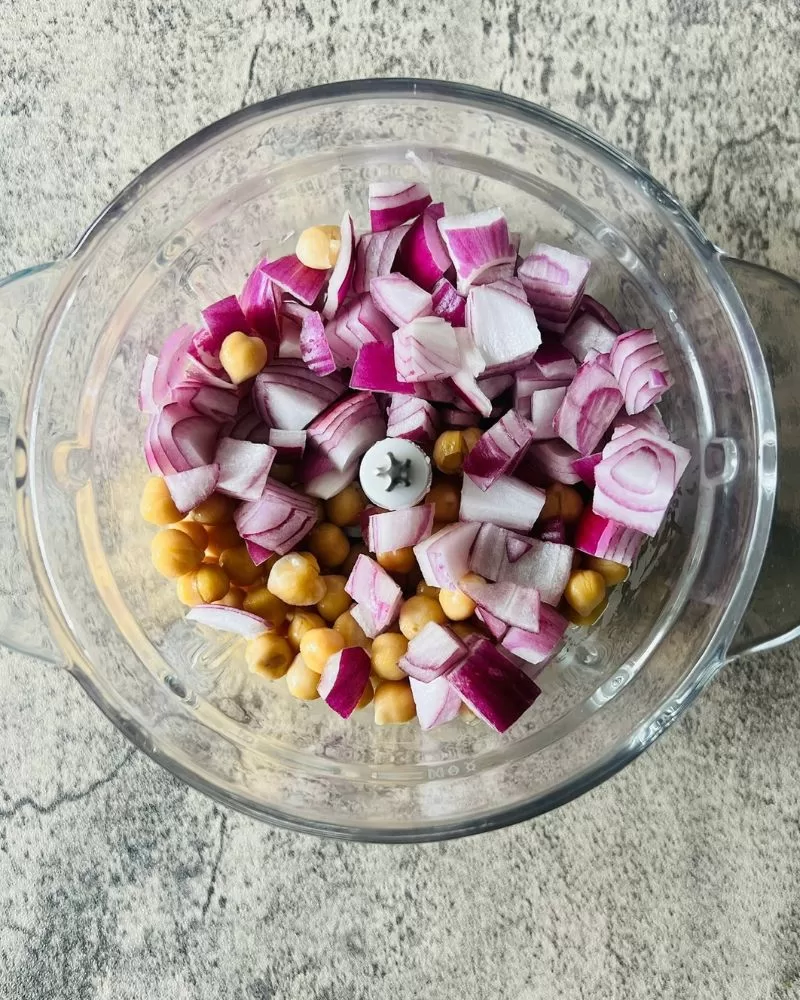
{"x": 23, "y": 300}
{"x": 773, "y": 302}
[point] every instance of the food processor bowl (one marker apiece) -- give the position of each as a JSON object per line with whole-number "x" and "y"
{"x": 187, "y": 232}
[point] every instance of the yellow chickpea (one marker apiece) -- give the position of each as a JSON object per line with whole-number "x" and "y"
{"x": 174, "y": 553}
{"x": 218, "y": 509}
{"x": 584, "y": 620}
{"x": 344, "y": 509}
{"x": 233, "y": 599}
{"x": 464, "y": 629}
{"x": 585, "y": 590}
{"x": 242, "y": 357}
{"x": 562, "y": 501}
{"x": 353, "y": 633}
{"x": 455, "y": 603}
{"x": 394, "y": 703}
{"x": 366, "y": 697}
{"x": 472, "y": 436}
{"x": 318, "y": 645}
{"x": 204, "y": 585}
{"x": 612, "y": 572}
{"x": 239, "y": 566}
{"x": 329, "y": 544}
{"x": 397, "y": 560}
{"x": 296, "y": 581}
{"x": 259, "y": 601}
{"x": 196, "y": 531}
{"x": 336, "y": 600}
{"x": 318, "y": 246}
{"x": 426, "y": 590}
{"x": 449, "y": 452}
{"x": 311, "y": 558}
{"x": 347, "y": 566}
{"x": 157, "y": 505}
{"x": 302, "y": 682}
{"x": 302, "y": 622}
{"x": 220, "y": 537}
{"x": 387, "y": 651}
{"x": 445, "y": 495}
{"x": 416, "y": 612}
{"x": 269, "y": 655}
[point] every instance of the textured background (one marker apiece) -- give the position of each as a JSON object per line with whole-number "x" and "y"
{"x": 680, "y": 877}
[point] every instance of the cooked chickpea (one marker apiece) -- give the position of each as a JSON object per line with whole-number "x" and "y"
{"x": 426, "y": 590}
{"x": 387, "y": 651}
{"x": 562, "y": 501}
{"x": 336, "y": 600}
{"x": 472, "y": 436}
{"x": 242, "y": 356}
{"x": 394, "y": 703}
{"x": 345, "y": 508}
{"x": 196, "y": 531}
{"x": 585, "y": 590}
{"x": 283, "y": 473}
{"x": 612, "y": 572}
{"x": 269, "y": 655}
{"x": 233, "y": 599}
{"x": 318, "y": 645}
{"x": 366, "y": 697}
{"x": 220, "y": 537}
{"x": 416, "y": 612}
{"x": 311, "y": 558}
{"x": 174, "y": 553}
{"x": 259, "y": 601}
{"x": 204, "y": 585}
{"x": 354, "y": 634}
{"x": 585, "y": 620}
{"x": 302, "y": 682}
{"x": 318, "y": 246}
{"x": 445, "y": 495}
{"x": 329, "y": 544}
{"x": 455, "y": 603}
{"x": 466, "y": 713}
{"x": 449, "y": 452}
{"x": 296, "y": 581}
{"x": 357, "y": 550}
{"x": 302, "y": 622}
{"x": 218, "y": 509}
{"x": 397, "y": 560}
{"x": 464, "y": 629}
{"x": 239, "y": 566}
{"x": 157, "y": 505}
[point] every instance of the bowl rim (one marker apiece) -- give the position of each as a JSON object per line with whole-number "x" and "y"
{"x": 703, "y": 671}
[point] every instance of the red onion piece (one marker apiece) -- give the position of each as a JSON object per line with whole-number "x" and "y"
{"x": 289, "y": 445}
{"x": 599, "y": 311}
{"x": 600, "y": 536}
{"x": 444, "y": 557}
{"x": 649, "y": 420}
{"x": 476, "y": 243}
{"x": 289, "y": 344}
{"x": 640, "y": 367}
{"x": 554, "y": 280}
{"x": 314, "y": 347}
{"x": 321, "y": 478}
{"x": 288, "y": 396}
{"x": 455, "y": 419}
{"x": 376, "y": 592}
{"x": 226, "y": 619}
{"x": 412, "y": 418}
{"x": 489, "y": 555}
{"x": 279, "y": 520}
{"x": 437, "y": 702}
{"x": 423, "y": 257}
{"x": 399, "y": 529}
{"x": 544, "y": 565}
{"x": 511, "y": 286}
{"x": 400, "y": 299}
{"x": 552, "y": 530}
{"x": 358, "y": 323}
{"x": 219, "y": 404}
{"x": 496, "y": 689}
{"x": 343, "y": 679}
{"x": 592, "y": 401}
{"x": 507, "y": 502}
{"x": 261, "y": 302}
{"x": 495, "y": 385}
{"x": 469, "y": 391}
{"x": 432, "y": 652}
{"x": 394, "y": 202}
{"x": 448, "y": 304}
{"x": 554, "y": 459}
{"x": 348, "y": 429}
{"x": 498, "y": 450}
{"x": 341, "y": 277}
{"x": 178, "y": 438}
{"x": 375, "y": 255}
{"x": 510, "y": 602}
{"x": 503, "y": 328}
{"x": 584, "y": 467}
{"x": 545, "y": 403}
{"x": 537, "y": 647}
{"x": 587, "y": 334}
{"x": 292, "y": 276}
{"x": 374, "y": 371}
{"x": 243, "y": 468}
{"x": 147, "y": 393}
{"x": 425, "y": 350}
{"x": 221, "y": 318}
{"x": 190, "y": 488}
{"x": 259, "y": 556}
{"x": 496, "y": 627}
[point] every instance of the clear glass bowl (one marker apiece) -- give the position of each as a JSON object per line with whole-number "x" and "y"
{"x": 186, "y": 232}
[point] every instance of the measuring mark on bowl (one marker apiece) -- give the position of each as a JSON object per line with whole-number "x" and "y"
{"x": 72, "y": 465}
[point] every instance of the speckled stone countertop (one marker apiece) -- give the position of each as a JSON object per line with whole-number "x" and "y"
{"x": 679, "y": 878}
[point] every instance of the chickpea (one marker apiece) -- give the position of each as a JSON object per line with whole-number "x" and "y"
{"x": 416, "y": 612}
{"x": 356, "y": 551}
{"x": 394, "y": 703}
{"x": 302, "y": 622}
{"x": 218, "y": 509}
{"x": 585, "y": 590}
{"x": 449, "y": 452}
{"x": 344, "y": 509}
{"x": 455, "y": 603}
{"x": 585, "y": 620}
{"x": 354, "y": 634}
{"x": 269, "y": 655}
{"x": 295, "y": 580}
{"x": 302, "y": 682}
{"x": 318, "y": 246}
{"x": 220, "y": 537}
{"x": 387, "y": 651}
{"x": 612, "y": 572}
{"x": 174, "y": 553}
{"x": 464, "y": 629}
{"x": 242, "y": 357}
{"x": 562, "y": 501}
{"x": 318, "y": 645}
{"x": 311, "y": 558}
{"x": 204, "y": 585}
{"x": 336, "y": 600}
{"x": 157, "y": 505}
{"x": 329, "y": 544}
{"x": 472, "y": 436}
{"x": 445, "y": 495}
{"x": 426, "y": 590}
{"x": 366, "y": 697}
{"x": 233, "y": 599}
{"x": 239, "y": 566}
{"x": 283, "y": 473}
{"x": 397, "y": 560}
{"x": 259, "y": 601}
{"x": 466, "y": 712}
{"x": 195, "y": 531}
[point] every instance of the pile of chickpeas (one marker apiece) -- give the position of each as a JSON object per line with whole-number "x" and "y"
{"x": 301, "y": 596}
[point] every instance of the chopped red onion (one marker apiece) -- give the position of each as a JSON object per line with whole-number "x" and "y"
{"x": 545, "y": 404}
{"x": 243, "y": 468}
{"x": 394, "y": 202}
{"x": 544, "y": 565}
{"x": 289, "y": 344}
{"x": 259, "y": 555}
{"x": 289, "y": 445}
{"x": 426, "y": 349}
{"x": 227, "y": 619}
{"x": 640, "y": 368}
{"x": 437, "y": 702}
{"x": 178, "y": 438}
{"x": 219, "y": 404}
{"x": 444, "y": 557}
{"x": 466, "y": 386}
{"x": 279, "y": 520}
{"x": 289, "y": 396}
{"x": 348, "y": 429}
{"x": 448, "y": 304}
{"x": 648, "y": 420}
{"x": 292, "y": 276}
{"x": 538, "y": 647}
{"x": 552, "y": 529}
{"x": 423, "y": 257}
{"x": 495, "y": 385}
{"x": 358, "y": 323}
{"x": 476, "y": 243}
{"x": 341, "y": 277}
{"x": 455, "y": 418}
{"x": 374, "y": 590}
{"x": 496, "y": 627}
{"x": 554, "y": 362}
{"x": 412, "y": 418}
{"x": 496, "y": 689}
{"x": 554, "y": 280}
{"x": 503, "y": 328}
{"x": 555, "y": 459}
{"x": 343, "y": 680}
{"x": 374, "y": 371}
{"x": 314, "y": 347}
{"x": 221, "y": 318}
{"x": 584, "y": 467}
{"x": 488, "y": 554}
{"x": 592, "y": 401}
{"x": 400, "y": 299}
{"x": 432, "y": 652}
{"x": 192, "y": 487}
{"x": 148, "y": 403}
{"x": 261, "y": 302}
{"x": 510, "y": 602}
{"x": 599, "y": 311}
{"x": 498, "y": 450}
{"x": 321, "y": 478}
{"x": 600, "y": 536}
{"x": 511, "y": 286}
{"x": 399, "y": 529}
{"x": 507, "y": 502}
{"x": 587, "y": 334}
